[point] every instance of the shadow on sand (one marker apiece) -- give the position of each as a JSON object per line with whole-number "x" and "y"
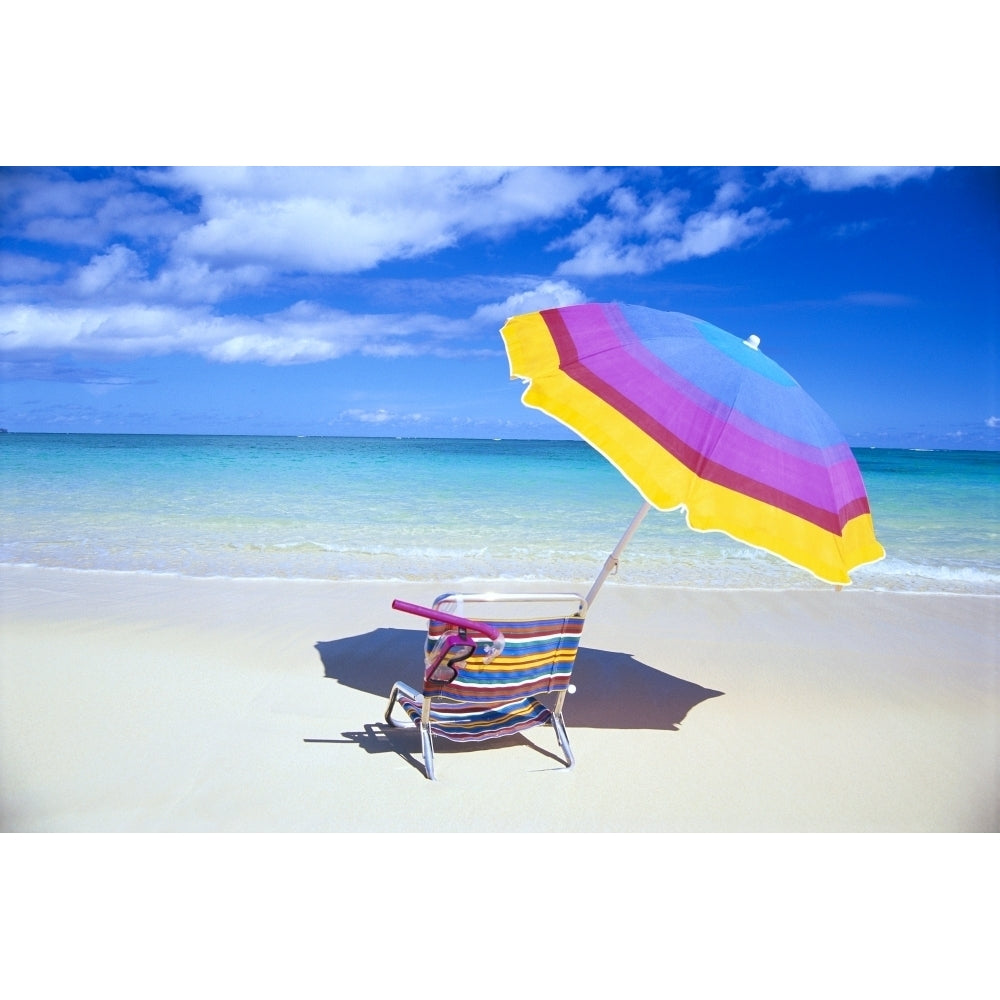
{"x": 613, "y": 690}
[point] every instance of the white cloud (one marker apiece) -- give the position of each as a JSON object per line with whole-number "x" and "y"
{"x": 381, "y": 416}
{"x": 710, "y": 232}
{"x": 189, "y": 281}
{"x": 105, "y": 269}
{"x": 846, "y": 178}
{"x": 124, "y": 331}
{"x": 546, "y": 295}
{"x": 728, "y": 194}
{"x": 640, "y": 237}
{"x": 119, "y": 275}
{"x": 162, "y": 266}
{"x": 993, "y": 422}
{"x": 51, "y": 205}
{"x": 367, "y": 416}
{"x": 34, "y": 194}
{"x": 18, "y": 267}
{"x": 305, "y": 332}
{"x": 351, "y": 219}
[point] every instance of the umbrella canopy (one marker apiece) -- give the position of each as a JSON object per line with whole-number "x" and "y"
{"x": 696, "y": 418}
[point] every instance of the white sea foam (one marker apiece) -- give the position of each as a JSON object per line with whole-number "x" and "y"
{"x": 916, "y": 575}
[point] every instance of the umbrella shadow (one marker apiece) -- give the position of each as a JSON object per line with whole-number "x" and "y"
{"x": 614, "y": 690}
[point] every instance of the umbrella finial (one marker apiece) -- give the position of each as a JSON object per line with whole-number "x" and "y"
{"x": 752, "y": 341}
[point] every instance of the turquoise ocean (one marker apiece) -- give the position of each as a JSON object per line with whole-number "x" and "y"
{"x": 444, "y": 511}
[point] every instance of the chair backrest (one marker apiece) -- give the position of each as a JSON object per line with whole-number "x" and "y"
{"x": 537, "y": 658}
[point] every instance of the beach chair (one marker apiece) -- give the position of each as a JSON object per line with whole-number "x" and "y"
{"x": 484, "y": 677}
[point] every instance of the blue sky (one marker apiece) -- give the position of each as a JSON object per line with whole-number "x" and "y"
{"x": 353, "y": 301}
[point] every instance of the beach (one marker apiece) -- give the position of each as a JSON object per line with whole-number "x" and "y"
{"x": 162, "y": 702}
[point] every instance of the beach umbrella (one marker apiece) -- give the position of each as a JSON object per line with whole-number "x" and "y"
{"x": 699, "y": 420}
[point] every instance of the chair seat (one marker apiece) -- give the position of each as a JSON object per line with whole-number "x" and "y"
{"x": 465, "y": 723}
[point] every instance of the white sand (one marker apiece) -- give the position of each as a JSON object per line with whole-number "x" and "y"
{"x": 145, "y": 703}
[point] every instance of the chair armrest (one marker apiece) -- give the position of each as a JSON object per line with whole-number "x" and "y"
{"x": 459, "y": 600}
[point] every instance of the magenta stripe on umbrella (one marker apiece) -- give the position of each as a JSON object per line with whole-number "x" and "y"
{"x": 728, "y": 444}
{"x": 734, "y": 458}
{"x": 656, "y": 368}
{"x": 768, "y": 395}
{"x": 832, "y": 519}
{"x": 581, "y": 321}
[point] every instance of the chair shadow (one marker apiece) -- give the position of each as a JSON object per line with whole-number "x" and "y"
{"x": 613, "y": 689}
{"x": 376, "y": 738}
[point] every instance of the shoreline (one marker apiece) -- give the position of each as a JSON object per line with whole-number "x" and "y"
{"x": 508, "y": 583}
{"x": 158, "y": 702}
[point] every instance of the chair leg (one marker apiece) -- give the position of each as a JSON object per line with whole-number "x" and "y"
{"x": 428, "y": 747}
{"x": 399, "y": 688}
{"x": 560, "y": 727}
{"x": 393, "y": 695}
{"x": 426, "y": 743}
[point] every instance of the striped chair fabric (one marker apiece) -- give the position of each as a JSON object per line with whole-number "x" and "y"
{"x": 488, "y": 700}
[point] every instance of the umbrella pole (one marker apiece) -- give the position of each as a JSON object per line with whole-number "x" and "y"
{"x": 611, "y": 563}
